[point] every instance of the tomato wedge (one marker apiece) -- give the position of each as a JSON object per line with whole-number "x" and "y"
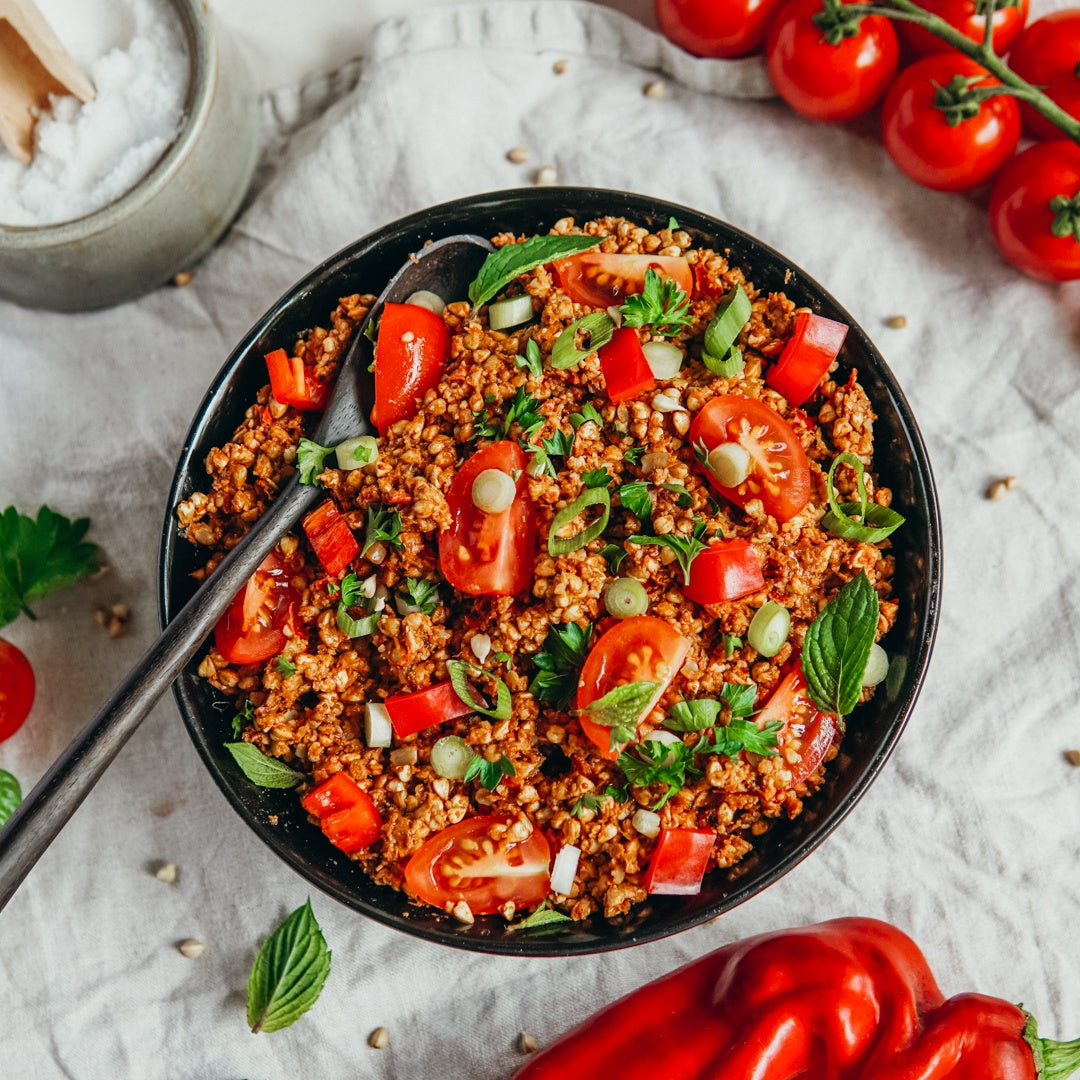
{"x": 16, "y": 689}
{"x": 626, "y": 371}
{"x": 679, "y": 861}
{"x": 807, "y": 356}
{"x": 261, "y": 617}
{"x": 348, "y": 817}
{"x": 599, "y": 280}
{"x": 725, "y": 570}
{"x": 331, "y": 538}
{"x": 779, "y": 472}
{"x": 410, "y": 713}
{"x": 293, "y": 383}
{"x": 411, "y": 351}
{"x": 814, "y": 730}
{"x": 639, "y": 649}
{"x": 485, "y": 554}
{"x": 455, "y": 864}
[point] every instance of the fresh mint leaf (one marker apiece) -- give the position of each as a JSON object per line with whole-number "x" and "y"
{"x": 739, "y": 698}
{"x": 533, "y": 361}
{"x": 512, "y": 260}
{"x": 635, "y": 497}
{"x": 10, "y": 796}
{"x": 542, "y": 916}
{"x": 382, "y": 525}
{"x": 560, "y": 663}
{"x": 654, "y": 762}
{"x": 261, "y": 770}
{"x": 460, "y": 673}
{"x": 422, "y": 594}
{"x": 588, "y": 412}
{"x": 621, "y": 708}
{"x": 489, "y": 773}
{"x": 613, "y": 555}
{"x": 661, "y": 304}
{"x": 243, "y": 719}
{"x": 310, "y": 459}
{"x": 284, "y": 667}
{"x": 596, "y": 478}
{"x": 686, "y": 548}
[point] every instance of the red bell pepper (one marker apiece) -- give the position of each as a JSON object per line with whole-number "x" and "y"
{"x": 806, "y": 357}
{"x": 331, "y": 538}
{"x": 725, "y": 570}
{"x": 410, "y": 713}
{"x": 678, "y": 862}
{"x": 346, "y": 813}
{"x": 851, "y": 999}
{"x": 293, "y": 383}
{"x": 626, "y": 371}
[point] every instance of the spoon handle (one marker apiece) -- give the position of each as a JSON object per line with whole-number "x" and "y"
{"x": 57, "y": 795}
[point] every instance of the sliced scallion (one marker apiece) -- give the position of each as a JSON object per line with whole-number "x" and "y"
{"x": 450, "y": 757}
{"x": 565, "y": 353}
{"x": 624, "y": 598}
{"x": 558, "y": 545}
{"x": 510, "y": 311}
{"x": 732, "y": 314}
{"x": 356, "y": 453}
{"x": 877, "y": 666}
{"x": 426, "y": 298}
{"x": 493, "y": 491}
{"x": 356, "y": 628}
{"x": 769, "y": 628}
{"x": 873, "y": 522}
{"x": 664, "y": 358}
{"x": 730, "y": 463}
{"x": 459, "y": 680}
{"x": 727, "y": 366}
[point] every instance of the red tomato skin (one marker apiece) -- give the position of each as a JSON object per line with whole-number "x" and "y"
{"x": 486, "y": 554}
{"x": 626, "y": 371}
{"x": 410, "y": 713}
{"x": 678, "y": 862}
{"x": 347, "y": 814}
{"x": 829, "y": 82}
{"x": 962, "y": 16}
{"x": 527, "y": 884}
{"x": 407, "y": 367}
{"x": 725, "y": 570}
{"x": 293, "y": 383}
{"x": 242, "y": 640}
{"x": 1020, "y": 214}
{"x": 923, "y": 145}
{"x": 17, "y": 687}
{"x": 790, "y": 703}
{"x": 719, "y": 28}
{"x": 807, "y": 356}
{"x": 1046, "y": 54}
{"x": 599, "y": 280}
{"x": 331, "y": 538}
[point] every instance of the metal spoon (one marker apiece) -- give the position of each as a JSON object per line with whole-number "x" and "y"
{"x": 445, "y": 267}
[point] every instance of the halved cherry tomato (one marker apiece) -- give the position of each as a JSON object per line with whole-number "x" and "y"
{"x": 261, "y": 617}
{"x": 779, "y": 472}
{"x": 599, "y": 280}
{"x": 486, "y": 554}
{"x": 411, "y": 351}
{"x": 639, "y": 649}
{"x": 967, "y": 16}
{"x": 331, "y": 538}
{"x": 790, "y": 704}
{"x": 725, "y": 570}
{"x": 410, "y": 713}
{"x": 626, "y": 371}
{"x": 1046, "y": 54}
{"x": 346, "y": 813}
{"x": 453, "y": 865}
{"x": 16, "y": 689}
{"x": 724, "y": 29}
{"x": 678, "y": 862}
{"x": 807, "y": 356}
{"x": 293, "y": 383}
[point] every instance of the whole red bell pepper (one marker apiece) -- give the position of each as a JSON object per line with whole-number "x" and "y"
{"x": 851, "y": 999}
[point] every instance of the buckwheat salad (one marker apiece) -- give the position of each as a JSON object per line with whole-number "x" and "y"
{"x": 589, "y": 608}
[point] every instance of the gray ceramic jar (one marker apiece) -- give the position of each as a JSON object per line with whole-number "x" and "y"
{"x": 172, "y": 216}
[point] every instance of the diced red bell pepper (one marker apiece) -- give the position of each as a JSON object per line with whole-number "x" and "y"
{"x": 725, "y": 570}
{"x": 807, "y": 356}
{"x": 679, "y": 861}
{"x": 293, "y": 383}
{"x": 331, "y": 538}
{"x": 410, "y": 713}
{"x": 626, "y": 371}
{"x": 346, "y": 813}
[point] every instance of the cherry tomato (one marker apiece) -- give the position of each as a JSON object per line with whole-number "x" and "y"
{"x": 807, "y": 356}
{"x": 1046, "y": 54}
{"x": 725, "y": 570}
{"x": 779, "y": 472}
{"x": 599, "y": 280}
{"x": 348, "y": 817}
{"x": 452, "y": 866}
{"x": 331, "y": 538}
{"x": 718, "y": 28}
{"x": 626, "y": 371}
{"x": 254, "y": 627}
{"x": 16, "y": 689}
{"x": 293, "y": 383}
{"x": 926, "y": 147}
{"x": 805, "y": 727}
{"x": 829, "y": 82}
{"x": 411, "y": 351}
{"x": 1021, "y": 216}
{"x": 410, "y": 713}
{"x": 639, "y": 649}
{"x": 486, "y": 554}
{"x": 678, "y": 862}
{"x": 963, "y": 15}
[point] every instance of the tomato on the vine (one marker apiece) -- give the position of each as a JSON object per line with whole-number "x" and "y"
{"x": 1046, "y": 54}
{"x": 829, "y": 82}
{"x": 930, "y": 149}
{"x": 16, "y": 689}
{"x": 724, "y": 30}
{"x": 1037, "y": 190}
{"x": 966, "y": 16}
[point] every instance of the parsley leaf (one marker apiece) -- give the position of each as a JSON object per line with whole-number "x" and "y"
{"x": 559, "y": 445}
{"x": 523, "y": 410}
{"x": 560, "y": 663}
{"x": 382, "y": 525}
{"x": 284, "y": 667}
{"x": 661, "y": 304}
{"x": 10, "y": 795}
{"x": 613, "y": 556}
{"x": 423, "y": 594}
{"x": 532, "y": 360}
{"x": 243, "y": 719}
{"x": 541, "y": 464}
{"x": 686, "y": 548}
{"x": 489, "y": 773}
{"x": 729, "y": 643}
{"x": 621, "y": 708}
{"x": 739, "y": 698}
{"x": 596, "y": 478}
{"x": 39, "y": 557}
{"x": 634, "y": 455}
{"x": 512, "y": 260}
{"x": 484, "y": 428}
{"x": 657, "y": 762}
{"x": 310, "y": 459}
{"x": 635, "y": 497}
{"x": 588, "y": 412}
{"x": 586, "y": 802}
{"x": 742, "y": 735}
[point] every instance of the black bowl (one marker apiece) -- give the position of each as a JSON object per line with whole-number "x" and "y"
{"x": 901, "y": 461}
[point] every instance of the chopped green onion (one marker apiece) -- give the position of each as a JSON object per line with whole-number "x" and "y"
{"x": 730, "y": 463}
{"x": 511, "y": 311}
{"x": 589, "y": 497}
{"x": 459, "y": 680}
{"x": 769, "y": 628}
{"x": 493, "y": 491}
{"x": 664, "y": 358}
{"x": 426, "y": 298}
{"x": 877, "y": 666}
{"x": 565, "y": 353}
{"x": 873, "y": 522}
{"x": 356, "y": 453}
{"x": 732, "y": 314}
{"x": 726, "y": 367}
{"x": 356, "y": 628}
{"x": 624, "y": 598}
{"x": 450, "y": 757}
{"x": 377, "y": 728}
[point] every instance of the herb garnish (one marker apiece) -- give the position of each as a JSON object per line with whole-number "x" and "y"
{"x": 686, "y": 548}
{"x": 284, "y": 667}
{"x": 352, "y": 595}
{"x": 620, "y": 709}
{"x": 596, "y": 478}
{"x": 382, "y": 525}
{"x": 635, "y": 497}
{"x": 560, "y": 663}
{"x": 587, "y": 802}
{"x": 532, "y": 360}
{"x": 489, "y": 773}
{"x": 613, "y": 555}
{"x": 512, "y": 260}
{"x": 729, "y": 643}
{"x": 484, "y": 428}
{"x": 523, "y": 410}
{"x": 310, "y": 459}
{"x": 260, "y": 769}
{"x": 10, "y": 796}
{"x": 634, "y": 455}
{"x": 243, "y": 718}
{"x": 588, "y": 412}
{"x": 742, "y": 735}
{"x": 661, "y": 304}
{"x": 542, "y": 916}
{"x": 423, "y": 594}
{"x": 659, "y": 762}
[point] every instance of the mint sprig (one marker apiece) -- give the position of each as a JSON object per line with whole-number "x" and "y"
{"x": 512, "y": 260}
{"x": 260, "y": 769}
{"x": 621, "y": 708}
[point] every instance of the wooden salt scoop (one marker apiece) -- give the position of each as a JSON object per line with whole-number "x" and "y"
{"x": 33, "y": 65}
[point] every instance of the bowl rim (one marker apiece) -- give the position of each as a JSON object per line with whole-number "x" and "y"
{"x": 519, "y": 200}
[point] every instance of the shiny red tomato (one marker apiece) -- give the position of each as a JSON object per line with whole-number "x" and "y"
{"x": 1022, "y": 218}
{"x": 805, "y": 728}
{"x": 347, "y": 815}
{"x": 925, "y": 146}
{"x": 678, "y": 862}
{"x": 808, "y": 355}
{"x": 261, "y": 616}
{"x": 639, "y": 649}
{"x": 829, "y": 82}
{"x": 16, "y": 689}
{"x": 718, "y": 28}
{"x": 965, "y": 16}
{"x": 411, "y": 351}
{"x": 600, "y": 280}
{"x": 1046, "y": 54}
{"x": 454, "y": 865}
{"x": 486, "y": 554}
{"x": 779, "y": 472}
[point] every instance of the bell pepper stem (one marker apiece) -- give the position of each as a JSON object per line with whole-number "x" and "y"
{"x": 1053, "y": 1060}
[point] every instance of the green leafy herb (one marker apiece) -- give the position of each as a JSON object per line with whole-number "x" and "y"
{"x": 621, "y": 708}
{"x": 634, "y": 455}
{"x": 542, "y": 916}
{"x": 533, "y": 361}
{"x": 562, "y": 545}
{"x": 559, "y": 445}
{"x": 620, "y": 795}
{"x": 613, "y": 555}
{"x": 837, "y": 645}
{"x": 523, "y": 411}
{"x": 686, "y": 548}
{"x": 483, "y": 428}
{"x": 596, "y": 478}
{"x": 243, "y": 718}
{"x": 504, "y": 658}
{"x": 672, "y": 225}
{"x": 729, "y": 643}
{"x": 742, "y": 735}
{"x": 310, "y": 459}
{"x": 39, "y": 557}
{"x": 864, "y": 521}
{"x": 588, "y": 412}
{"x": 560, "y": 663}
{"x": 731, "y": 315}
{"x": 696, "y": 715}
{"x": 423, "y": 594}
{"x": 10, "y": 796}
{"x": 701, "y": 452}
{"x": 739, "y": 698}
{"x": 261, "y": 770}
{"x": 382, "y": 525}
{"x": 661, "y": 304}
{"x": 512, "y": 260}
{"x": 656, "y": 762}
{"x": 635, "y": 497}
{"x": 489, "y": 773}
{"x": 459, "y": 679}
{"x": 540, "y": 464}
{"x": 352, "y": 590}
{"x": 586, "y": 802}
{"x": 289, "y": 972}
{"x": 683, "y": 498}
{"x": 284, "y": 667}
{"x": 352, "y": 596}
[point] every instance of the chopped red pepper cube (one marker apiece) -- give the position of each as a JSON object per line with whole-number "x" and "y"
{"x": 679, "y": 861}
{"x": 410, "y": 713}
{"x": 346, "y": 813}
{"x": 293, "y": 383}
{"x": 807, "y": 356}
{"x": 725, "y": 570}
{"x": 331, "y": 538}
{"x": 626, "y": 371}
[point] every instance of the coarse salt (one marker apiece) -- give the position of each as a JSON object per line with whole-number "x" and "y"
{"x": 87, "y": 156}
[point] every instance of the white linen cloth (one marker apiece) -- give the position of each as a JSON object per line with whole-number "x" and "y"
{"x": 970, "y": 838}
